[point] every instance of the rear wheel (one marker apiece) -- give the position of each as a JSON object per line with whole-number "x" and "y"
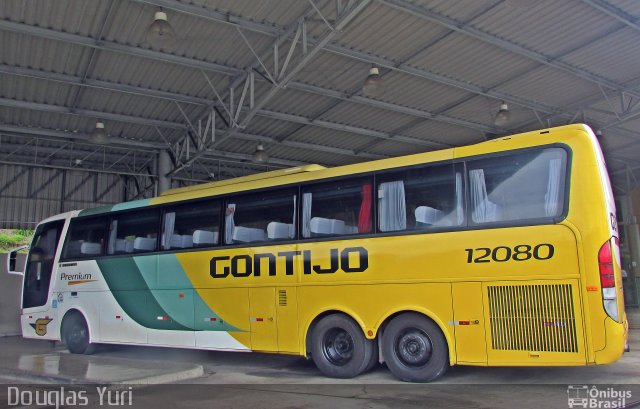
{"x": 415, "y": 349}
{"x": 375, "y": 357}
{"x": 75, "y": 333}
{"x": 339, "y": 348}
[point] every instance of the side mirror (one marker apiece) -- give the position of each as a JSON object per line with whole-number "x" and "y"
{"x": 12, "y": 259}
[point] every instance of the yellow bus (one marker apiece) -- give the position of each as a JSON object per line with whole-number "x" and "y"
{"x": 500, "y": 253}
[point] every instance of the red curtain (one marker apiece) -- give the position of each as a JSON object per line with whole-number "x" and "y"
{"x": 364, "y": 217}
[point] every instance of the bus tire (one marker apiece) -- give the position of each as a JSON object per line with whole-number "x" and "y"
{"x": 415, "y": 349}
{"x": 75, "y": 333}
{"x": 339, "y": 348}
{"x": 375, "y": 358}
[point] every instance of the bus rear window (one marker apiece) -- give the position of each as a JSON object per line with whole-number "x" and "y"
{"x": 522, "y": 186}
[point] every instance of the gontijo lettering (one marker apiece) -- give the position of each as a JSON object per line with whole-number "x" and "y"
{"x": 349, "y": 260}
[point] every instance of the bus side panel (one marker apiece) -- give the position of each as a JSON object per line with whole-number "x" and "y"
{"x": 531, "y": 293}
{"x": 229, "y": 325}
{"x": 287, "y": 316}
{"x": 468, "y": 317}
{"x": 238, "y": 286}
{"x": 263, "y": 319}
{"x": 81, "y": 285}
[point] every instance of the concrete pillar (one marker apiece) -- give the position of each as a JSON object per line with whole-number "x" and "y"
{"x": 164, "y": 167}
{"x": 631, "y": 215}
{"x": 10, "y": 296}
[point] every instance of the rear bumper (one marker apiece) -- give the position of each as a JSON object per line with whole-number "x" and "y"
{"x": 616, "y": 341}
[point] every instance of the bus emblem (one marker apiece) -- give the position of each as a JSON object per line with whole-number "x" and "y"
{"x": 41, "y": 326}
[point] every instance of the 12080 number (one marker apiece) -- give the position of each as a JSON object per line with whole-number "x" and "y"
{"x": 500, "y": 254}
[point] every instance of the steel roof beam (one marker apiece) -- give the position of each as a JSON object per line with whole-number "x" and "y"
{"x": 308, "y": 146}
{"x": 352, "y": 129}
{"x": 614, "y": 12}
{"x": 219, "y": 68}
{"x": 36, "y": 106}
{"x": 275, "y": 31}
{"x": 54, "y": 153}
{"x": 96, "y": 164}
{"x": 116, "y": 48}
{"x": 212, "y": 15}
{"x": 391, "y": 107}
{"x": 350, "y": 53}
{"x": 285, "y": 77}
{"x": 172, "y": 96}
{"x": 76, "y": 39}
{"x": 98, "y": 84}
{"x": 76, "y": 136}
{"x": 28, "y": 161}
{"x": 293, "y": 118}
{"x": 66, "y": 136}
{"x": 455, "y": 25}
{"x": 358, "y": 55}
{"x": 293, "y": 85}
{"x": 269, "y": 114}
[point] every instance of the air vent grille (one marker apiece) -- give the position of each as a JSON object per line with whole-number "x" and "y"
{"x": 282, "y": 298}
{"x": 532, "y": 318}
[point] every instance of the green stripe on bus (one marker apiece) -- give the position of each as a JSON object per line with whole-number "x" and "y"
{"x": 95, "y": 210}
{"x": 145, "y": 293}
{"x": 168, "y": 283}
{"x": 120, "y": 206}
{"x": 130, "y": 205}
{"x": 132, "y": 294}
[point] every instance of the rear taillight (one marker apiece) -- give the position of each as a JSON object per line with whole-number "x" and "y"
{"x": 605, "y": 261}
{"x": 607, "y": 279}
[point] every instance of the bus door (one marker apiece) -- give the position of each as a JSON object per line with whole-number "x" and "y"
{"x": 39, "y": 267}
{"x": 37, "y": 314}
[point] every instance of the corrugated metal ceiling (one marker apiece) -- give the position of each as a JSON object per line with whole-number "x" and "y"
{"x": 446, "y": 65}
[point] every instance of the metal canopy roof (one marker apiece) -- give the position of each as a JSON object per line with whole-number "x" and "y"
{"x": 289, "y": 74}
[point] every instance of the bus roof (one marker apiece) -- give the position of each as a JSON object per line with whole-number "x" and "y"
{"x": 245, "y": 179}
{"x": 299, "y": 174}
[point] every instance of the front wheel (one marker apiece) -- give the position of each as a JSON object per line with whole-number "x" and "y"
{"x": 415, "y": 349}
{"x": 339, "y": 348}
{"x": 75, "y": 333}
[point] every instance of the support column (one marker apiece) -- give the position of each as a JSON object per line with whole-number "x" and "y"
{"x": 163, "y": 168}
{"x": 631, "y": 249}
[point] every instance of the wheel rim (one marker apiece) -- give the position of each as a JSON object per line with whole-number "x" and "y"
{"x": 413, "y": 347}
{"x": 77, "y": 335}
{"x": 337, "y": 346}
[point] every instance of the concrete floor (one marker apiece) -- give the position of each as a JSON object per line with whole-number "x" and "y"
{"x": 240, "y": 380}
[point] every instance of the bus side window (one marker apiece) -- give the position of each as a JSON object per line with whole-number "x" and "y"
{"x": 341, "y": 207}
{"x": 521, "y": 186}
{"x": 420, "y": 198}
{"x": 260, "y": 217}
{"x": 191, "y": 225}
{"x": 133, "y": 232}
{"x": 85, "y": 239}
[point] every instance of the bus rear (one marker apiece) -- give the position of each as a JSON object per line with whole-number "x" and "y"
{"x": 592, "y": 215}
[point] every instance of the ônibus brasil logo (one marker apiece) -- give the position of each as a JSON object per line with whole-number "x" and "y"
{"x": 583, "y": 396}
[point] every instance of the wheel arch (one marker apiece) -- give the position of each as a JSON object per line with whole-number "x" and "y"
{"x": 77, "y": 311}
